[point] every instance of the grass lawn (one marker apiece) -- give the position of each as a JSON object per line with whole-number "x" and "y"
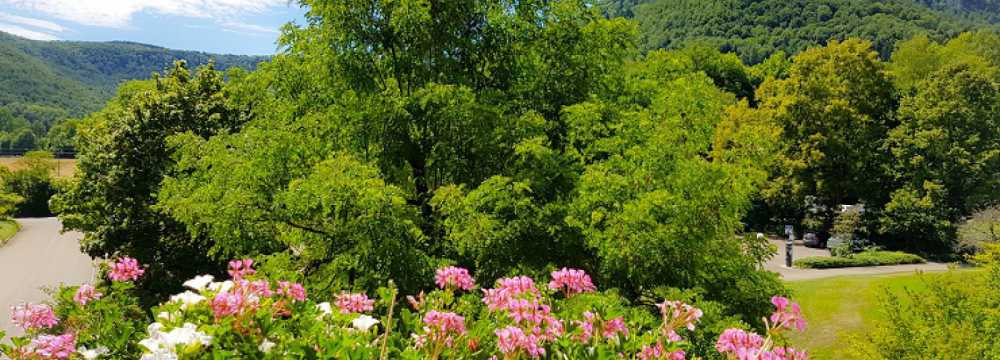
{"x": 841, "y": 308}
{"x": 64, "y": 167}
{"x": 7, "y": 230}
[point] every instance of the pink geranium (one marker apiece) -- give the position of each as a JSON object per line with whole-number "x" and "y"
{"x": 787, "y": 314}
{"x": 571, "y": 281}
{"x": 33, "y": 316}
{"x": 85, "y": 294}
{"x": 238, "y": 269}
{"x": 226, "y": 303}
{"x": 736, "y": 341}
{"x": 293, "y": 290}
{"x": 53, "y": 346}
{"x": 125, "y": 269}
{"x": 512, "y": 340}
{"x": 354, "y": 303}
{"x": 659, "y": 352}
{"x": 441, "y": 328}
{"x": 455, "y": 278}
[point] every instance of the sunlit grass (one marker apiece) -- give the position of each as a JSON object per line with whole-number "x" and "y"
{"x": 7, "y": 230}
{"x": 843, "y": 308}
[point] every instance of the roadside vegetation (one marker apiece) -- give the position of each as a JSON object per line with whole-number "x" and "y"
{"x": 864, "y": 258}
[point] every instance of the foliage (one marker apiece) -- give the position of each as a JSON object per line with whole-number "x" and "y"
{"x": 252, "y": 316}
{"x": 982, "y": 228}
{"x": 393, "y": 137}
{"x": 835, "y": 109}
{"x": 32, "y": 183}
{"x": 757, "y": 29}
{"x": 124, "y": 156}
{"x": 946, "y": 155}
{"x": 864, "y": 258}
{"x": 953, "y": 318}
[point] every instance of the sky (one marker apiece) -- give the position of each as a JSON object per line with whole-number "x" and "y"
{"x": 244, "y": 27}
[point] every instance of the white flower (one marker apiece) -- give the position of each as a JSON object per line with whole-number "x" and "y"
{"x": 364, "y": 322}
{"x": 199, "y": 283}
{"x": 266, "y": 346}
{"x": 221, "y": 286}
{"x": 159, "y": 354}
{"x": 186, "y": 335}
{"x": 165, "y": 316}
{"x": 187, "y": 299}
{"x": 325, "y": 308}
{"x": 91, "y": 354}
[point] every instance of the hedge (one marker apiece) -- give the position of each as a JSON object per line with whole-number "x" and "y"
{"x": 867, "y": 258}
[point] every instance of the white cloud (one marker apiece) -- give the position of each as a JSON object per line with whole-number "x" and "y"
{"x": 26, "y": 33}
{"x": 241, "y": 27}
{"x": 36, "y": 23}
{"x": 118, "y": 13}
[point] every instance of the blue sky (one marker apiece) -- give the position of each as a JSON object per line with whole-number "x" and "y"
{"x": 246, "y": 27}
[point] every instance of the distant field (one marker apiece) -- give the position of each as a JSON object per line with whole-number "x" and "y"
{"x": 64, "y": 167}
{"x": 843, "y": 308}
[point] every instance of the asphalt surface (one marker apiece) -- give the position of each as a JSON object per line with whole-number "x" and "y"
{"x": 39, "y": 257}
{"x": 777, "y": 264}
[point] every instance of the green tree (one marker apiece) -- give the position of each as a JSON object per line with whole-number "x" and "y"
{"x": 946, "y": 153}
{"x": 835, "y": 109}
{"x": 32, "y": 182}
{"x": 123, "y": 158}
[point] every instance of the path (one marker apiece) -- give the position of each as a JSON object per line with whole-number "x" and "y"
{"x": 39, "y": 256}
{"x": 777, "y": 264}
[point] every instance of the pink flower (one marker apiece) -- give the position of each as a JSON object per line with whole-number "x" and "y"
{"x": 787, "y": 315}
{"x": 239, "y": 269}
{"x": 85, "y": 294}
{"x": 657, "y": 352}
{"x": 54, "y": 346}
{"x": 512, "y": 339}
{"x": 33, "y": 316}
{"x": 614, "y": 327}
{"x": 676, "y": 315}
{"x": 442, "y": 327}
{"x": 454, "y": 277}
{"x": 354, "y": 303}
{"x": 780, "y": 353}
{"x": 737, "y": 341}
{"x": 509, "y": 289}
{"x": 125, "y": 269}
{"x": 609, "y": 329}
{"x": 226, "y": 303}
{"x": 259, "y": 288}
{"x": 571, "y": 281}
{"x": 292, "y": 290}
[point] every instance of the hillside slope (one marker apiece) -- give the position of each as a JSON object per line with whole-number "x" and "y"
{"x": 755, "y": 29}
{"x": 47, "y": 81}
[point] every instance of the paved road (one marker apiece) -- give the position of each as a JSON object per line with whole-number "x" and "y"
{"x": 39, "y": 256}
{"x": 777, "y": 263}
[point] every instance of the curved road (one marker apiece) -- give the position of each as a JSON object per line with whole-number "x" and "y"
{"x": 36, "y": 258}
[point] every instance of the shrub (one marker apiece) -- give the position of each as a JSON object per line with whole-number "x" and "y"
{"x": 954, "y": 317}
{"x": 251, "y": 316}
{"x": 981, "y": 228}
{"x": 33, "y": 182}
{"x": 865, "y": 258}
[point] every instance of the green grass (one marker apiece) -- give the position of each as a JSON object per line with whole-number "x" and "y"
{"x": 7, "y": 230}
{"x": 840, "y": 309}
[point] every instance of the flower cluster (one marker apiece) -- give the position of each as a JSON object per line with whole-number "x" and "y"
{"x": 742, "y": 345}
{"x": 85, "y": 294}
{"x": 53, "y": 346}
{"x": 162, "y": 344}
{"x": 354, "y": 303}
{"x": 125, "y": 269}
{"x": 33, "y": 316}
{"x": 677, "y": 315}
{"x": 440, "y": 331}
{"x": 521, "y": 301}
{"x": 592, "y": 327}
{"x": 454, "y": 278}
{"x": 239, "y": 269}
{"x": 658, "y": 352}
{"x": 571, "y": 282}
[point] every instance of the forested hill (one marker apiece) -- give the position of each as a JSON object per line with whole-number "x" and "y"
{"x": 755, "y": 29}
{"x": 43, "y": 82}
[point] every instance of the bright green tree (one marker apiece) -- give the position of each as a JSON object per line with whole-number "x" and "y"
{"x": 123, "y": 156}
{"x": 946, "y": 156}
{"x": 835, "y": 109}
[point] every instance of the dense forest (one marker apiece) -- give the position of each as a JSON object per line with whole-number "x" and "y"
{"x": 756, "y": 29}
{"x": 45, "y": 83}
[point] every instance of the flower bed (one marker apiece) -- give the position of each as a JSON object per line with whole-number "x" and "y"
{"x": 250, "y": 316}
